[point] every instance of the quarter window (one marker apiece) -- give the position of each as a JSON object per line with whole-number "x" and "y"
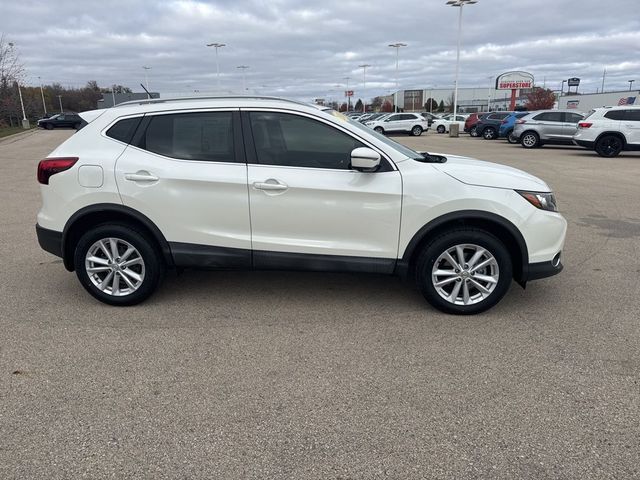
{"x": 124, "y": 129}
{"x": 206, "y": 136}
{"x": 296, "y": 141}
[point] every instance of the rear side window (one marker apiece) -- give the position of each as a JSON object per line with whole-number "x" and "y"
{"x": 549, "y": 117}
{"x": 633, "y": 115}
{"x": 204, "y": 136}
{"x": 615, "y": 114}
{"x": 572, "y": 117}
{"x": 124, "y": 129}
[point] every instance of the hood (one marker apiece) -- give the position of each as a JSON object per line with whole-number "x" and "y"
{"x": 487, "y": 174}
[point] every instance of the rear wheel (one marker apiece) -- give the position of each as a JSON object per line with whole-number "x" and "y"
{"x": 48, "y": 126}
{"x": 473, "y": 132}
{"x": 489, "y": 133}
{"x": 379, "y": 129}
{"x": 464, "y": 271}
{"x": 118, "y": 265}
{"x": 530, "y": 140}
{"x": 416, "y": 131}
{"x": 441, "y": 129}
{"x": 609, "y": 146}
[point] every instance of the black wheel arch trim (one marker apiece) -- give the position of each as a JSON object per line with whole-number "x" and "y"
{"x": 462, "y": 215}
{"x": 613, "y": 133}
{"x": 119, "y": 209}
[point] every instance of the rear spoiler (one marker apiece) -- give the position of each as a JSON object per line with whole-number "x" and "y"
{"x": 90, "y": 115}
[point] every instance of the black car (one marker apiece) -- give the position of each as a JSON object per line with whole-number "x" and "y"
{"x": 61, "y": 120}
{"x": 429, "y": 117}
{"x": 488, "y": 126}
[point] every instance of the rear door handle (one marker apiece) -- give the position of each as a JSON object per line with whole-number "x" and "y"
{"x": 270, "y": 185}
{"x": 141, "y": 177}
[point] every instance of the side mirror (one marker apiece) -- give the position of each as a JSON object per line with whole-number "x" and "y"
{"x": 365, "y": 160}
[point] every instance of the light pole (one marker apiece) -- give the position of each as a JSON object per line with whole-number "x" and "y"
{"x": 25, "y": 122}
{"x": 60, "y": 100}
{"x": 460, "y": 4}
{"x": 397, "y": 46}
{"x": 630, "y": 83}
{"x": 489, "y": 96}
{"x": 44, "y": 105}
{"x": 113, "y": 95}
{"x": 561, "y": 92}
{"x": 146, "y": 80}
{"x": 217, "y": 45}
{"x": 244, "y": 80}
{"x": 347, "y": 94}
{"x": 364, "y": 85}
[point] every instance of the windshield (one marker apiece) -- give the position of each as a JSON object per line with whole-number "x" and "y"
{"x": 387, "y": 141}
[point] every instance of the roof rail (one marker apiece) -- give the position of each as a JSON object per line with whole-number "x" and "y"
{"x": 152, "y": 101}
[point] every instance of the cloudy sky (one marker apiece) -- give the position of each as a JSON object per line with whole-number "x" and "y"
{"x": 305, "y": 49}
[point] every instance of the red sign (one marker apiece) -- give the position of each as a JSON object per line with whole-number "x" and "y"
{"x": 514, "y": 81}
{"x": 510, "y": 85}
{"x": 348, "y": 93}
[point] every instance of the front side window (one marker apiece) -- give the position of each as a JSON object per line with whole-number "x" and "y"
{"x": 205, "y": 136}
{"x": 296, "y": 141}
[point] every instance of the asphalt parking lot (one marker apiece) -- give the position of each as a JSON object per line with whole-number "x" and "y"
{"x": 332, "y": 376}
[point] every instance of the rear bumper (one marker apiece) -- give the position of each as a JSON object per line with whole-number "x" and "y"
{"x": 584, "y": 143}
{"x": 50, "y": 240}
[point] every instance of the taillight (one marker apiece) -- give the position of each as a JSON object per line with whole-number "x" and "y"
{"x": 584, "y": 124}
{"x": 520, "y": 122}
{"x": 50, "y": 166}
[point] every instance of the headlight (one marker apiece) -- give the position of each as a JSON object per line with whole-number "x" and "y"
{"x": 543, "y": 201}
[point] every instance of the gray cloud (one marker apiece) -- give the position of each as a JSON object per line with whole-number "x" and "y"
{"x": 305, "y": 49}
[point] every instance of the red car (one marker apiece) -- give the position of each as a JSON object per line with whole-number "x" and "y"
{"x": 470, "y": 123}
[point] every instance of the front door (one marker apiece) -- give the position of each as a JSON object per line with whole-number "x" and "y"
{"x": 186, "y": 172}
{"x": 309, "y": 209}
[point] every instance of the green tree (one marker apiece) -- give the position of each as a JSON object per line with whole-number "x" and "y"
{"x": 441, "y": 106}
{"x": 358, "y": 107}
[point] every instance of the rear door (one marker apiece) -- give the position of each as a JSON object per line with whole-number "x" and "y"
{"x": 631, "y": 124}
{"x": 309, "y": 209}
{"x": 186, "y": 172}
{"x": 550, "y": 125}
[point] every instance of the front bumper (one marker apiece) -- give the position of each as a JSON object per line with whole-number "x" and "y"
{"x": 536, "y": 271}
{"x": 50, "y": 240}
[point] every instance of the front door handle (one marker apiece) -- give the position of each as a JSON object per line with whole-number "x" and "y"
{"x": 270, "y": 185}
{"x": 141, "y": 176}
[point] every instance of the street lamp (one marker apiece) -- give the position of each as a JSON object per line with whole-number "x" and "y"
{"x": 217, "y": 46}
{"x": 397, "y": 47}
{"x": 364, "y": 85}
{"x": 460, "y": 4}
{"x": 44, "y": 105}
{"x": 630, "y": 83}
{"x": 561, "y": 92}
{"x": 60, "y": 100}
{"x": 25, "y": 122}
{"x": 244, "y": 82}
{"x": 347, "y": 94}
{"x": 146, "y": 80}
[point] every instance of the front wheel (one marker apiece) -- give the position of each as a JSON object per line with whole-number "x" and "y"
{"x": 609, "y": 146}
{"x": 379, "y": 130}
{"x": 464, "y": 271}
{"x": 48, "y": 126}
{"x": 489, "y": 133}
{"x": 441, "y": 129}
{"x": 118, "y": 265}
{"x": 530, "y": 140}
{"x": 416, "y": 131}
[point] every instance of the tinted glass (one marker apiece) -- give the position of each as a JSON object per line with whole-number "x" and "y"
{"x": 615, "y": 115}
{"x": 393, "y": 118}
{"x": 206, "y": 136}
{"x": 296, "y": 141}
{"x": 124, "y": 129}
{"x": 549, "y": 117}
{"x": 498, "y": 116}
{"x": 633, "y": 115}
{"x": 572, "y": 117}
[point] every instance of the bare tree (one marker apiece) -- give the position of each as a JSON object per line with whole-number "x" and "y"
{"x": 10, "y": 66}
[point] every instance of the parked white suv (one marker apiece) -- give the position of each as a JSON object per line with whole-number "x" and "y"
{"x": 610, "y": 130}
{"x": 411, "y": 123}
{"x": 264, "y": 183}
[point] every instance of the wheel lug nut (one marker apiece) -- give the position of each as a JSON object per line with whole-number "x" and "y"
{"x": 466, "y": 266}
{"x": 457, "y": 271}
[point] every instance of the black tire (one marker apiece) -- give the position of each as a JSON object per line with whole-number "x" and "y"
{"x": 530, "y": 140}
{"x": 473, "y": 236}
{"x": 473, "y": 131}
{"x": 48, "y": 126}
{"x": 416, "y": 131}
{"x": 511, "y": 138}
{"x": 153, "y": 272}
{"x": 490, "y": 133}
{"x": 609, "y": 146}
{"x": 379, "y": 130}
{"x": 441, "y": 129}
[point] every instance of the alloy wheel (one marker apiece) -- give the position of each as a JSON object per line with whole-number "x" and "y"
{"x": 115, "y": 267}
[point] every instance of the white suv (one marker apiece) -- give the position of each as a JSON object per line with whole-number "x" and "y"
{"x": 610, "y": 130}
{"x": 411, "y": 123}
{"x": 264, "y": 183}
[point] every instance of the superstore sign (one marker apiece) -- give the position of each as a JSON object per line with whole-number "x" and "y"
{"x": 510, "y": 85}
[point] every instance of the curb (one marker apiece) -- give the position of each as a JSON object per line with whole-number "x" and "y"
{"x": 18, "y": 136}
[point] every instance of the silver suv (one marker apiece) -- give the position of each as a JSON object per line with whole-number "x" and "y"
{"x": 547, "y": 126}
